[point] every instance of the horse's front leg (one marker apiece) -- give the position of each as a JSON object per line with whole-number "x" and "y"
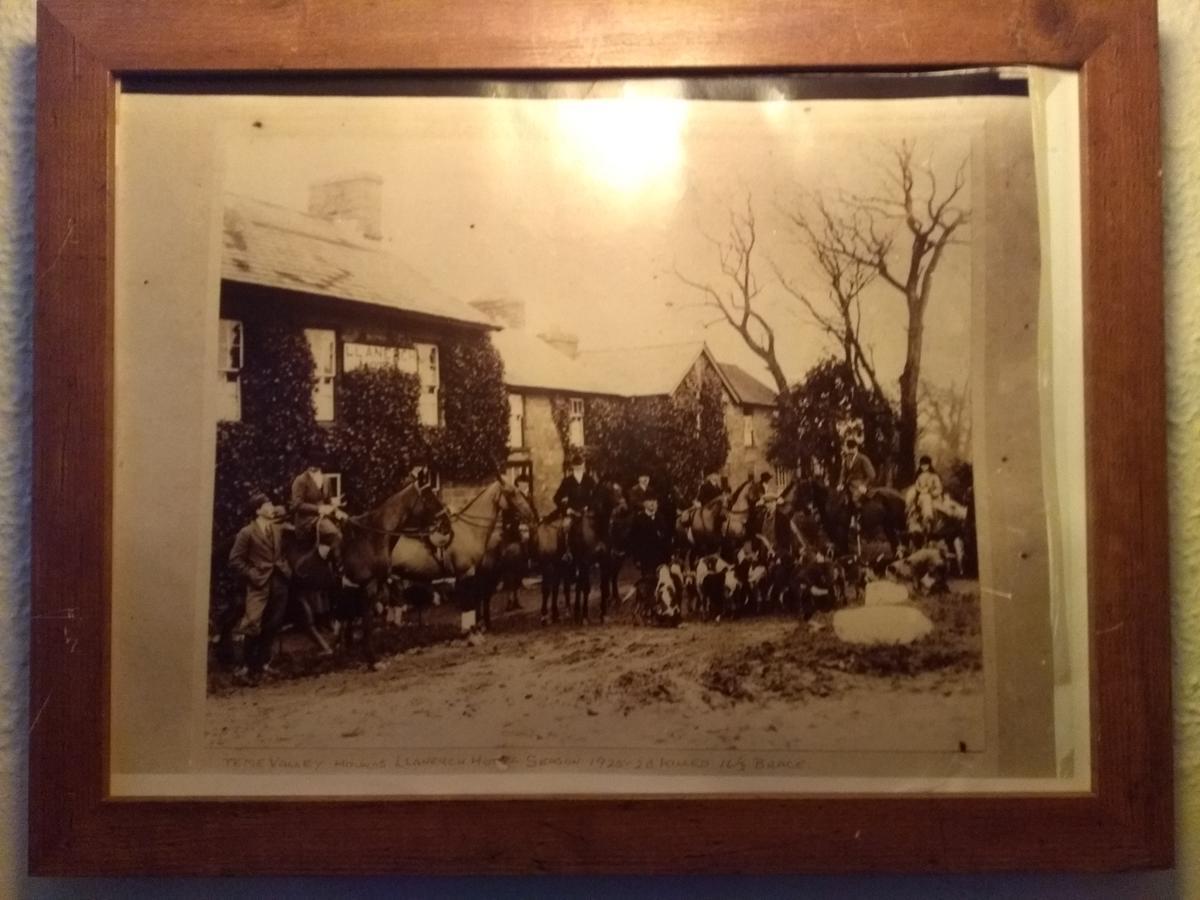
{"x": 309, "y": 623}
{"x": 484, "y": 602}
{"x": 605, "y": 587}
{"x": 372, "y": 594}
{"x": 583, "y": 590}
{"x": 549, "y": 592}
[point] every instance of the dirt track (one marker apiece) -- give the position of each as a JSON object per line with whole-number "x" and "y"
{"x": 618, "y": 686}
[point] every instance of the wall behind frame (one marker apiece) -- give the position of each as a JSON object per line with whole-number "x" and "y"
{"x": 1180, "y": 34}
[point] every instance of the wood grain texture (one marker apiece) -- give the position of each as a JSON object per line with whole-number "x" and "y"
{"x": 305, "y": 35}
{"x": 1125, "y": 822}
{"x": 72, "y": 440}
{"x": 1125, "y": 384}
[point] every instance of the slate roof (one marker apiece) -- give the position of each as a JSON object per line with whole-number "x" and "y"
{"x": 748, "y": 390}
{"x": 643, "y": 371}
{"x": 531, "y": 363}
{"x": 276, "y": 247}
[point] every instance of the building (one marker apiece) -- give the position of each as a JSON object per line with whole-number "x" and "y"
{"x": 548, "y": 372}
{"x": 750, "y": 419}
{"x": 542, "y": 375}
{"x": 325, "y": 270}
{"x": 664, "y": 370}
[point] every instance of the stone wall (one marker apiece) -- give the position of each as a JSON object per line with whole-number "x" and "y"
{"x": 543, "y": 449}
{"x": 743, "y": 459}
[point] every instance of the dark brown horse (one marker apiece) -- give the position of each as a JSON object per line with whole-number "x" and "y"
{"x": 876, "y": 522}
{"x": 367, "y": 542}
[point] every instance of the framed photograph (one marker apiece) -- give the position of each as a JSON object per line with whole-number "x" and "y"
{"x": 492, "y": 438}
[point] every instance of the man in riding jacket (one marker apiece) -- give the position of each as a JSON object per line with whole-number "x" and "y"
{"x": 574, "y": 495}
{"x": 650, "y": 537}
{"x": 710, "y": 490}
{"x": 420, "y": 475}
{"x": 511, "y": 530}
{"x": 314, "y": 510}
{"x": 639, "y": 492}
{"x": 258, "y": 557}
{"x": 756, "y": 496}
{"x": 858, "y": 472}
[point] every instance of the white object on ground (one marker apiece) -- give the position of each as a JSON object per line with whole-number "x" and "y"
{"x": 893, "y": 624}
{"x": 885, "y": 593}
{"x": 467, "y": 622}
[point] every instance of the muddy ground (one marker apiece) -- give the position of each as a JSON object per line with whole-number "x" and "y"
{"x": 767, "y": 683}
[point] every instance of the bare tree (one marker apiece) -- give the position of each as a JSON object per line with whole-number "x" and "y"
{"x": 946, "y": 419}
{"x": 899, "y": 234}
{"x": 735, "y": 295}
{"x": 846, "y": 277}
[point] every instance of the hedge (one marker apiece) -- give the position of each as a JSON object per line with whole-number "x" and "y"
{"x": 806, "y": 430}
{"x": 675, "y": 440}
{"x": 374, "y": 441}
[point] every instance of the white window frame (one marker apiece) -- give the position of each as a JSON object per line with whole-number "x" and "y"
{"x": 575, "y": 430}
{"x": 516, "y": 420}
{"x": 429, "y": 406}
{"x": 231, "y": 334}
{"x": 783, "y": 477}
{"x": 325, "y": 373}
{"x": 333, "y": 482}
{"x": 359, "y": 355}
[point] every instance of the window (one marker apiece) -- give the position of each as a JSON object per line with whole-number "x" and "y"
{"x": 747, "y": 429}
{"x": 783, "y": 477}
{"x": 333, "y": 481}
{"x": 230, "y": 356}
{"x": 378, "y": 356}
{"x": 428, "y": 404}
{"x": 516, "y": 421}
{"x": 323, "y": 344}
{"x": 575, "y": 422}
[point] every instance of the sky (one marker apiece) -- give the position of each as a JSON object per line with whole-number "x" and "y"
{"x": 586, "y": 210}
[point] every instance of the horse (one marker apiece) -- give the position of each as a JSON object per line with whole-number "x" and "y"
{"x": 948, "y": 525}
{"x": 700, "y": 530}
{"x": 366, "y": 544}
{"x": 569, "y": 570}
{"x": 879, "y": 517}
{"x": 745, "y": 515}
{"x": 471, "y": 555}
{"x": 614, "y": 520}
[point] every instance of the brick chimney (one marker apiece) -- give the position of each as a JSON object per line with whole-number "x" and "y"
{"x": 562, "y": 341}
{"x": 356, "y": 200}
{"x": 509, "y": 313}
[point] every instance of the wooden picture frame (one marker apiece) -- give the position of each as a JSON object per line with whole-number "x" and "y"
{"x": 85, "y": 48}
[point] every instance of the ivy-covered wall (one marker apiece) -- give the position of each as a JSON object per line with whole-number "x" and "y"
{"x": 675, "y": 440}
{"x": 473, "y": 442}
{"x": 375, "y": 437}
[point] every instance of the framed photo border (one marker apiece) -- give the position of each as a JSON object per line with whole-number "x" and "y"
{"x": 85, "y": 47}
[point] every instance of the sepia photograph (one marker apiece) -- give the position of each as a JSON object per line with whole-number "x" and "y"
{"x": 629, "y": 428}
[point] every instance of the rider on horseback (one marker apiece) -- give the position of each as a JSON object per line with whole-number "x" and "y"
{"x": 925, "y": 494}
{"x": 757, "y": 498}
{"x": 710, "y": 489}
{"x": 858, "y": 472}
{"x": 639, "y": 492}
{"x": 513, "y": 528}
{"x": 440, "y": 531}
{"x": 315, "y": 509}
{"x": 573, "y": 497}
